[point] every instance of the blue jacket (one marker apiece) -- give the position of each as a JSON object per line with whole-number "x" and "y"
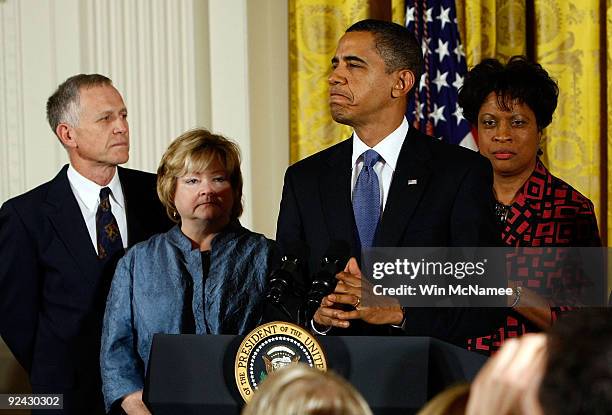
{"x": 147, "y": 296}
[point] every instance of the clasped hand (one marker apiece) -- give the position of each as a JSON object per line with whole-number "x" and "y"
{"x": 352, "y": 290}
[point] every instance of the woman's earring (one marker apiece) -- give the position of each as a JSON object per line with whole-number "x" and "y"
{"x": 175, "y": 214}
{"x": 540, "y": 140}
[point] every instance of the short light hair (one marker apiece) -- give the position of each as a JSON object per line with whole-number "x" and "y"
{"x": 301, "y": 390}
{"x": 64, "y": 105}
{"x": 192, "y": 152}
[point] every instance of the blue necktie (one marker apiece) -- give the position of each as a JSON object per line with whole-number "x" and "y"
{"x": 107, "y": 230}
{"x": 366, "y": 199}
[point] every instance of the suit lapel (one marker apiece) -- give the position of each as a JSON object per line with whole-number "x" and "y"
{"x": 335, "y": 188}
{"x": 133, "y": 210}
{"x": 65, "y": 215}
{"x": 407, "y": 186}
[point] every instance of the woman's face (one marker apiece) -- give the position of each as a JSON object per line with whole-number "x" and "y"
{"x": 205, "y": 197}
{"x": 510, "y": 139}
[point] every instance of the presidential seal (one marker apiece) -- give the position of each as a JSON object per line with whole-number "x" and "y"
{"x": 270, "y": 347}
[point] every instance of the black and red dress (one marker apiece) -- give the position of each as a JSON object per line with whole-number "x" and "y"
{"x": 547, "y": 212}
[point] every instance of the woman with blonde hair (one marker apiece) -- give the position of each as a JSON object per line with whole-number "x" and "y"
{"x": 206, "y": 275}
{"x": 301, "y": 390}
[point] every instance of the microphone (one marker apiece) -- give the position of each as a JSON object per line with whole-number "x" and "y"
{"x": 287, "y": 280}
{"x": 324, "y": 281}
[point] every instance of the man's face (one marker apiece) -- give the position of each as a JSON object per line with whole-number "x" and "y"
{"x": 102, "y": 136}
{"x": 359, "y": 87}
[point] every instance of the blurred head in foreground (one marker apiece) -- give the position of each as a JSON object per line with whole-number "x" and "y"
{"x": 567, "y": 371}
{"x": 451, "y": 401}
{"x": 300, "y": 390}
{"x": 578, "y": 374}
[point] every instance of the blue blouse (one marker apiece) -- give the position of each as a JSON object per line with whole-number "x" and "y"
{"x": 147, "y": 296}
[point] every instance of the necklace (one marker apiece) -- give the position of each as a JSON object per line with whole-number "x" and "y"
{"x": 502, "y": 211}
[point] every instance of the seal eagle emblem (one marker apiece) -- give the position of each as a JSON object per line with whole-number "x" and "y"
{"x": 271, "y": 347}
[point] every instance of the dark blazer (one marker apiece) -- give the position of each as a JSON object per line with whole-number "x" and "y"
{"x": 451, "y": 204}
{"x": 53, "y": 287}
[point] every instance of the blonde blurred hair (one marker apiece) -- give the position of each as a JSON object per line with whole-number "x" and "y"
{"x": 451, "y": 401}
{"x": 301, "y": 390}
{"x": 192, "y": 152}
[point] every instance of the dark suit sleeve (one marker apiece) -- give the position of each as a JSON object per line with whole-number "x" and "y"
{"x": 289, "y": 225}
{"x": 472, "y": 224}
{"x": 19, "y": 286}
{"x": 473, "y": 214}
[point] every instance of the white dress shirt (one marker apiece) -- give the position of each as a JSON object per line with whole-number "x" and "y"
{"x": 87, "y": 194}
{"x": 388, "y": 149}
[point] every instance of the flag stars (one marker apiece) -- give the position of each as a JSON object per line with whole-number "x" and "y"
{"x": 440, "y": 80}
{"x": 459, "y": 52}
{"x": 444, "y": 16}
{"x": 437, "y": 114}
{"x": 423, "y": 82}
{"x": 439, "y": 110}
{"x": 442, "y": 50}
{"x": 418, "y": 111}
{"x": 458, "y": 113}
{"x": 409, "y": 15}
{"x": 458, "y": 82}
{"x": 428, "y": 17}
{"x": 425, "y": 46}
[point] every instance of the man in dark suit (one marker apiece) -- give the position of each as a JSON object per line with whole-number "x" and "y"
{"x": 60, "y": 243}
{"x": 388, "y": 185}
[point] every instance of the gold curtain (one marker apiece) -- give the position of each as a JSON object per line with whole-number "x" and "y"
{"x": 491, "y": 28}
{"x": 314, "y": 29}
{"x": 565, "y": 39}
{"x": 567, "y": 45}
{"x": 398, "y": 11}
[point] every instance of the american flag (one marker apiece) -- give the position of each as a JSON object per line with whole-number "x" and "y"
{"x": 433, "y": 108}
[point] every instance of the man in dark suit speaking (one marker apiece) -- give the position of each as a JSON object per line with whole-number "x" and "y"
{"x": 60, "y": 243}
{"x": 388, "y": 185}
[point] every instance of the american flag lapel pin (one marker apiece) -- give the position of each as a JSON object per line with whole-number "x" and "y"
{"x": 412, "y": 181}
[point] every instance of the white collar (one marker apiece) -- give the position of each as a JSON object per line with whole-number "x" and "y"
{"x": 89, "y": 191}
{"x": 388, "y": 148}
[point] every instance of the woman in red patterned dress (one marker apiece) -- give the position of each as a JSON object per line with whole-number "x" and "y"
{"x": 510, "y": 105}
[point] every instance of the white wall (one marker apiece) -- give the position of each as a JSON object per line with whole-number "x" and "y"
{"x": 179, "y": 64}
{"x": 268, "y": 45}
